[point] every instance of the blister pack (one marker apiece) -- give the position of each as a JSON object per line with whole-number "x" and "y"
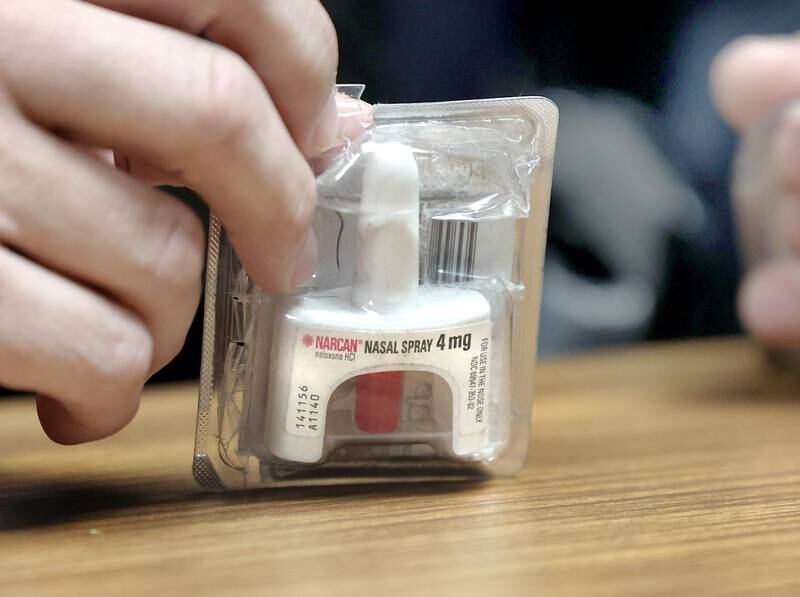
{"x": 411, "y": 352}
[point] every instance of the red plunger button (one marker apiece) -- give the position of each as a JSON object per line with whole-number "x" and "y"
{"x": 378, "y": 401}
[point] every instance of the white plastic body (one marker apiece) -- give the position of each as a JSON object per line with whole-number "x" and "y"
{"x": 437, "y": 310}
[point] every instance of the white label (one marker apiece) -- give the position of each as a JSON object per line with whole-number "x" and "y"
{"x": 323, "y": 361}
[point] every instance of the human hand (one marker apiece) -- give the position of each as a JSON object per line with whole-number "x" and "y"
{"x": 756, "y": 85}
{"x": 99, "y": 273}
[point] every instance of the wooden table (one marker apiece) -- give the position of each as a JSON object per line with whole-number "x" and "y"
{"x": 665, "y": 470}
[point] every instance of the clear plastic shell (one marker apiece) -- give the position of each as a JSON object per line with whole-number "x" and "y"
{"x": 319, "y": 387}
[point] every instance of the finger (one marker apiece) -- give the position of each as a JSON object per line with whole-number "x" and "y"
{"x": 754, "y": 76}
{"x": 291, "y": 45}
{"x": 184, "y": 104}
{"x": 354, "y": 118}
{"x": 766, "y": 187}
{"x": 112, "y": 232}
{"x": 769, "y": 303}
{"x": 62, "y": 340}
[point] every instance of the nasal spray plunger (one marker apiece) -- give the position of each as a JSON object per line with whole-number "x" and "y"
{"x": 387, "y": 259}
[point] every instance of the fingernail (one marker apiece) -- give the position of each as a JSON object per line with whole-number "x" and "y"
{"x": 307, "y": 262}
{"x": 354, "y": 116}
{"x": 347, "y": 107}
{"x": 326, "y": 131}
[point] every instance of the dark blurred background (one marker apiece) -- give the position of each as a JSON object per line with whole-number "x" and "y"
{"x": 641, "y": 244}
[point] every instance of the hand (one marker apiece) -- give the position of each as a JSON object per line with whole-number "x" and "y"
{"x": 99, "y": 273}
{"x": 756, "y": 85}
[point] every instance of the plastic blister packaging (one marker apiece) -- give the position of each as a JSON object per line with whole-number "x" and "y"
{"x": 411, "y": 352}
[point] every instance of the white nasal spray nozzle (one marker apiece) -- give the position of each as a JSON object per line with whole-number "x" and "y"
{"x": 387, "y": 261}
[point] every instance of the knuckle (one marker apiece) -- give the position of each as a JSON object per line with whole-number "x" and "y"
{"x": 297, "y": 211}
{"x": 227, "y": 106}
{"x": 314, "y": 45}
{"x": 325, "y": 61}
{"x": 180, "y": 256}
{"x": 126, "y": 354}
{"x": 21, "y": 177}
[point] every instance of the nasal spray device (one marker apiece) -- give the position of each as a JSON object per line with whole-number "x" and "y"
{"x": 375, "y": 332}
{"x": 410, "y": 354}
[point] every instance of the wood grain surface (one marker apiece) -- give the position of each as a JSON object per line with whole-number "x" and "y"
{"x": 663, "y": 470}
